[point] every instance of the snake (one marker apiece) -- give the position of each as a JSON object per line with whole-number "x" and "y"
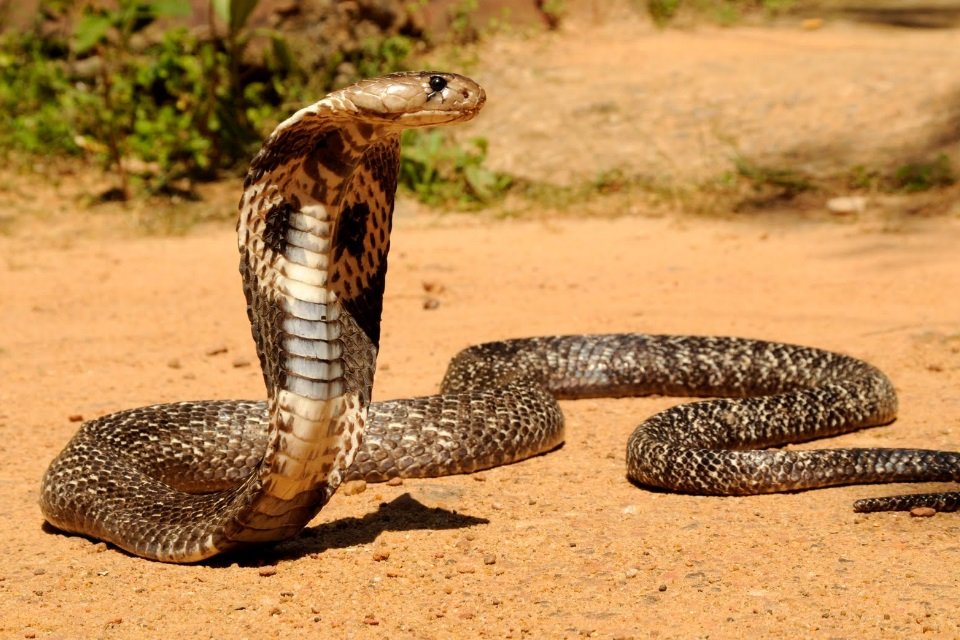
{"x": 184, "y": 481}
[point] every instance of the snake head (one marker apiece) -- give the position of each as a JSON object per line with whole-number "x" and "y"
{"x": 415, "y": 98}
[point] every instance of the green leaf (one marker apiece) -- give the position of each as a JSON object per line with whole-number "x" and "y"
{"x": 89, "y": 31}
{"x": 222, "y": 9}
{"x": 170, "y": 8}
{"x": 234, "y": 12}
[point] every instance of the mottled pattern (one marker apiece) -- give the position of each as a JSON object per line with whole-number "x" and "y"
{"x": 181, "y": 482}
{"x": 313, "y": 235}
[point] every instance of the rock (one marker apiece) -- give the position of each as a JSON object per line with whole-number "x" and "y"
{"x": 353, "y": 487}
{"x": 847, "y": 204}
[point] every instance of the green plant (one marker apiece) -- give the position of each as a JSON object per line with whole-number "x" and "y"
{"x": 724, "y": 12}
{"x": 553, "y": 11}
{"x": 162, "y": 109}
{"x": 775, "y": 182}
{"x": 381, "y": 56}
{"x": 463, "y": 28}
{"x": 925, "y": 175}
{"x": 663, "y": 11}
{"x": 36, "y": 97}
{"x": 152, "y": 108}
{"x": 108, "y": 31}
{"x": 439, "y": 171}
{"x": 862, "y": 177}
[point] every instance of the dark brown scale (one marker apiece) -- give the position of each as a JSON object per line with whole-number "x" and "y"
{"x": 351, "y": 230}
{"x": 277, "y": 223}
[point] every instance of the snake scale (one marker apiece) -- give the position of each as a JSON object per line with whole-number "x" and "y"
{"x": 184, "y": 481}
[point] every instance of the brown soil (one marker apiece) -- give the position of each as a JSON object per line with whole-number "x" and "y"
{"x": 99, "y": 317}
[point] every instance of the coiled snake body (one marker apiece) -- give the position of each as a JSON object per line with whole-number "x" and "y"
{"x": 182, "y": 482}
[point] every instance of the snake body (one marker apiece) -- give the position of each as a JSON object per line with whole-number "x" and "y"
{"x": 184, "y": 481}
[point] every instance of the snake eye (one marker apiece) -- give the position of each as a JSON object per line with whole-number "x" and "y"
{"x": 437, "y": 83}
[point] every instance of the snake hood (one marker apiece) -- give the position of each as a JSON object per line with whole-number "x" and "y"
{"x": 314, "y": 233}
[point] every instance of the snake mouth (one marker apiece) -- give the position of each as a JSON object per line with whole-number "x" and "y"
{"x": 431, "y": 117}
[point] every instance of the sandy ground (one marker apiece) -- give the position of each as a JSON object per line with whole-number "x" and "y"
{"x": 97, "y": 318}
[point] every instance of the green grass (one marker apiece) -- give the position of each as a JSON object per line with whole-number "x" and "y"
{"x": 924, "y": 175}
{"x": 723, "y": 12}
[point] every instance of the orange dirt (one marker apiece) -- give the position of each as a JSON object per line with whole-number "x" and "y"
{"x": 98, "y": 318}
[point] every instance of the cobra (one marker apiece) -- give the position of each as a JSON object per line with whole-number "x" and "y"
{"x": 182, "y": 482}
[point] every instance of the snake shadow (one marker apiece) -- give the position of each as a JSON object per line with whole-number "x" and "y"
{"x": 403, "y": 513}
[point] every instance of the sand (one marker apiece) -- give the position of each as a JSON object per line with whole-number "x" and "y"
{"x": 99, "y": 317}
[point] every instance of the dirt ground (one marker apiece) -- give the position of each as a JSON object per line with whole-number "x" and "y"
{"x": 99, "y": 316}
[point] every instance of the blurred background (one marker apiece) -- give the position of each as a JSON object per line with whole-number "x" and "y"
{"x": 627, "y": 105}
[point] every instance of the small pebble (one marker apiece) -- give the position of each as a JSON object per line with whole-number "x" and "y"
{"x": 240, "y": 363}
{"x": 632, "y": 572}
{"x": 100, "y": 547}
{"x": 215, "y": 351}
{"x": 76, "y": 417}
{"x": 433, "y": 287}
{"x": 266, "y": 572}
{"x": 380, "y": 555}
{"x": 370, "y": 620}
{"x": 923, "y": 512}
{"x": 847, "y": 204}
{"x": 489, "y": 558}
{"x": 662, "y": 587}
{"x": 353, "y": 487}
{"x": 394, "y": 482}
{"x": 430, "y": 303}
{"x": 174, "y": 364}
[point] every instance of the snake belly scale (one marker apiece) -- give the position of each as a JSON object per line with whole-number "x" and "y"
{"x": 182, "y": 482}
